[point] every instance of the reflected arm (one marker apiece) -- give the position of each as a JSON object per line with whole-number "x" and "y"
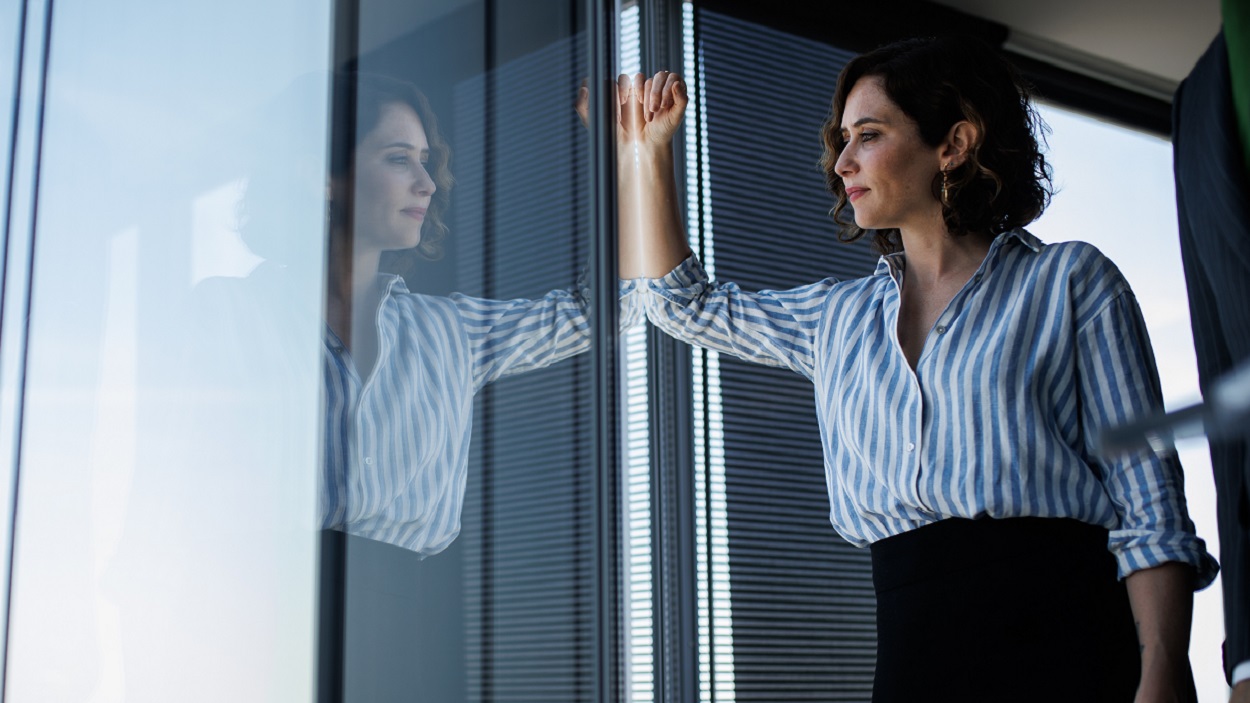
{"x": 507, "y": 337}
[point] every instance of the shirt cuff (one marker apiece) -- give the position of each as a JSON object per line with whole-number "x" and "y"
{"x": 1135, "y": 550}
{"x": 631, "y": 312}
{"x": 685, "y": 275}
{"x": 1241, "y": 672}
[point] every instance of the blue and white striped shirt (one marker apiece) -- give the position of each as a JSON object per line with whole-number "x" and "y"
{"x": 1043, "y": 346}
{"x": 397, "y": 443}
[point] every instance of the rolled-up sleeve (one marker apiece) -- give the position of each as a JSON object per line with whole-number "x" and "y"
{"x": 1119, "y": 382}
{"x": 514, "y": 336}
{"x": 775, "y": 328}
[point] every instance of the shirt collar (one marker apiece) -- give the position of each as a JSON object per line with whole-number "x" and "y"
{"x": 392, "y": 284}
{"x": 892, "y": 263}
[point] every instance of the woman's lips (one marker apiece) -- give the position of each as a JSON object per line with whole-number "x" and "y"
{"x": 853, "y": 194}
{"x": 416, "y": 213}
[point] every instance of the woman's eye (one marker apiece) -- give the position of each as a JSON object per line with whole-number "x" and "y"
{"x": 397, "y": 159}
{"x": 867, "y": 136}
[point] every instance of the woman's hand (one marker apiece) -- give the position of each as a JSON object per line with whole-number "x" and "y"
{"x": 649, "y": 113}
{"x": 649, "y": 110}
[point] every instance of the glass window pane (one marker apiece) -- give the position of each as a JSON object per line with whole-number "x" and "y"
{"x": 166, "y": 543}
{"x": 459, "y": 430}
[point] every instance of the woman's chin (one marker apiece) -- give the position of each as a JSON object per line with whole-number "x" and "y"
{"x": 405, "y": 242}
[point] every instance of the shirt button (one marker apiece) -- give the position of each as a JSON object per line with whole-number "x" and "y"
{"x": 941, "y": 329}
{"x": 976, "y": 278}
{"x": 368, "y": 461}
{"x": 911, "y": 446}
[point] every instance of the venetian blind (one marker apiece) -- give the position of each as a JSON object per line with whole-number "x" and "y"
{"x": 521, "y": 216}
{"x": 800, "y": 616}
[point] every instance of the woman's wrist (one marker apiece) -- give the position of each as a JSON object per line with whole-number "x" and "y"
{"x": 645, "y": 159}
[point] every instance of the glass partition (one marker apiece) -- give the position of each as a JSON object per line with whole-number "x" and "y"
{"x": 165, "y": 544}
{"x": 460, "y": 433}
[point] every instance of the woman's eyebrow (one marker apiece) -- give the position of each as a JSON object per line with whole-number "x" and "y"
{"x": 401, "y": 145}
{"x": 866, "y": 120}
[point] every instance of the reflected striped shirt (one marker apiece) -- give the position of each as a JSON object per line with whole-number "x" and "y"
{"x": 397, "y": 443}
{"x": 1043, "y": 346}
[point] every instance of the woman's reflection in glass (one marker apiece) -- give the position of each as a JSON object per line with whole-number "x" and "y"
{"x": 401, "y": 369}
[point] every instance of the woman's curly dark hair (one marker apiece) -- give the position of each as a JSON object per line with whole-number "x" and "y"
{"x": 1004, "y": 182}
{"x": 371, "y": 94}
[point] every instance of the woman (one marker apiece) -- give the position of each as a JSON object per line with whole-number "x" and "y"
{"x": 401, "y": 369}
{"x": 958, "y": 390}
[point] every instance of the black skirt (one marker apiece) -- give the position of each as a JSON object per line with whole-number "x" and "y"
{"x": 1023, "y": 609}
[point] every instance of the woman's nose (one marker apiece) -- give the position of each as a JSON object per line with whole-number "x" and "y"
{"x": 423, "y": 183}
{"x": 846, "y": 162}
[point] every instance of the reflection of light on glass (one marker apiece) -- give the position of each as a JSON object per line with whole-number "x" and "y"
{"x": 113, "y": 448}
{"x": 216, "y": 247}
{"x": 716, "y": 661}
{"x": 639, "y": 615}
{"x": 165, "y": 545}
{"x": 1116, "y": 192}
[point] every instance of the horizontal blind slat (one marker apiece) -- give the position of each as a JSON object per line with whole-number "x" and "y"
{"x": 803, "y": 609}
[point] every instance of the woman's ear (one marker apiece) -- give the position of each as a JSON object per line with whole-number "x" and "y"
{"x": 962, "y": 138}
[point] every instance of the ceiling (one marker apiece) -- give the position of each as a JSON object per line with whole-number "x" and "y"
{"x": 1146, "y": 45}
{"x": 1153, "y": 43}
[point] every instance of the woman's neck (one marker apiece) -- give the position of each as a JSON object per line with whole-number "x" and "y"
{"x": 351, "y": 274}
{"x": 352, "y": 292}
{"x": 936, "y": 255}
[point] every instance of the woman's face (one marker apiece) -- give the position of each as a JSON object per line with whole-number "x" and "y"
{"x": 393, "y": 188}
{"x": 886, "y": 168}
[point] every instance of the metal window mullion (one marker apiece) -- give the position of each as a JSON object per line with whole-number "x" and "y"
{"x": 601, "y": 22}
{"x": 332, "y": 594}
{"x": 20, "y": 220}
{"x": 670, "y": 404}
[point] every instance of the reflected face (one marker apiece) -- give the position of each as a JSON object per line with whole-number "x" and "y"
{"x": 393, "y": 188}
{"x": 886, "y": 167}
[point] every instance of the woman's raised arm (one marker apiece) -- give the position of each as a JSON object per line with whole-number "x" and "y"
{"x": 649, "y": 113}
{"x": 652, "y": 239}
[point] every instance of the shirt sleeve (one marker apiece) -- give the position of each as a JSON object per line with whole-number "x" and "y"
{"x": 1119, "y": 382}
{"x": 776, "y": 328}
{"x": 514, "y": 336}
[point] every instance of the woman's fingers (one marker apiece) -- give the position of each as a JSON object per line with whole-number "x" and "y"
{"x": 632, "y": 117}
{"x": 665, "y": 90}
{"x": 674, "y": 91}
{"x": 651, "y": 107}
{"x": 655, "y": 91}
{"x": 583, "y": 103}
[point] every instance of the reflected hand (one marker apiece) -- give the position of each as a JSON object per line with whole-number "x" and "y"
{"x": 583, "y": 103}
